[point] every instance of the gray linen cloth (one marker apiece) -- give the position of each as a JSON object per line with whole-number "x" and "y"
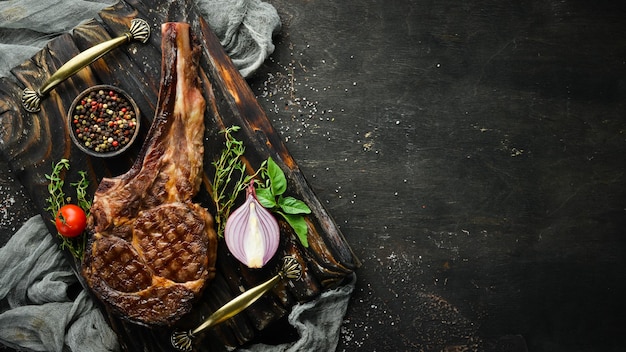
{"x": 36, "y": 312}
{"x": 245, "y": 27}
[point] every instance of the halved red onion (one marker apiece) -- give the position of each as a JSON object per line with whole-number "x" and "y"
{"x": 252, "y": 232}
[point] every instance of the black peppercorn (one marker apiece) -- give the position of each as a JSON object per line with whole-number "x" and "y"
{"x": 99, "y": 117}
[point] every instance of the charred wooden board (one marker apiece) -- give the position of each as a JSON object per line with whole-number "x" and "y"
{"x": 33, "y": 142}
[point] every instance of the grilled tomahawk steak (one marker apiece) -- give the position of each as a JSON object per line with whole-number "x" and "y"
{"x": 151, "y": 249}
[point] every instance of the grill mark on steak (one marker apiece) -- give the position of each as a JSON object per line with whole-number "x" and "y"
{"x": 152, "y": 250}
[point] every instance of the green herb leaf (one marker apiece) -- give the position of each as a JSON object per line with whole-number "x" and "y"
{"x": 299, "y": 225}
{"x": 230, "y": 177}
{"x": 57, "y": 199}
{"x": 277, "y": 178}
{"x": 55, "y": 188}
{"x": 81, "y": 192}
{"x": 265, "y": 197}
{"x": 291, "y": 205}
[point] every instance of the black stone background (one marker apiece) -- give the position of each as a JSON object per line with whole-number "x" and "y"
{"x": 473, "y": 155}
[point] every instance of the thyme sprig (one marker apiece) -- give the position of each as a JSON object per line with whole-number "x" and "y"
{"x": 57, "y": 199}
{"x": 81, "y": 192}
{"x": 230, "y": 177}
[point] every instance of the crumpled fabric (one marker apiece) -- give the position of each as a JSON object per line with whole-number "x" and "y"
{"x": 37, "y": 314}
{"x": 318, "y": 323}
{"x": 245, "y": 27}
{"x": 27, "y": 25}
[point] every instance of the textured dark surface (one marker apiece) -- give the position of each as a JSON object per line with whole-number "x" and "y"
{"x": 473, "y": 154}
{"x": 32, "y": 143}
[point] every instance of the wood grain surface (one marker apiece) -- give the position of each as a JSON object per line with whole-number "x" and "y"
{"x": 33, "y": 142}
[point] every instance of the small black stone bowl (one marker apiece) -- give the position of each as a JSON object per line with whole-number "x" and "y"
{"x": 103, "y": 121}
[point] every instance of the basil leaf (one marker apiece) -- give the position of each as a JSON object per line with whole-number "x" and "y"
{"x": 277, "y": 177}
{"x": 265, "y": 197}
{"x": 299, "y": 225}
{"x": 291, "y": 205}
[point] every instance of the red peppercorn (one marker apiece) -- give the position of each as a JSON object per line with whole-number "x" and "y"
{"x": 105, "y": 115}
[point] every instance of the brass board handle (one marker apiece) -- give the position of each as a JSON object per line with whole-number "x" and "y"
{"x": 139, "y": 30}
{"x": 291, "y": 270}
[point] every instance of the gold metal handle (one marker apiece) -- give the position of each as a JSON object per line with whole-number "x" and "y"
{"x": 31, "y": 99}
{"x": 291, "y": 270}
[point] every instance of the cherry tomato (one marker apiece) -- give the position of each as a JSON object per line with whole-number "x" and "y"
{"x": 71, "y": 220}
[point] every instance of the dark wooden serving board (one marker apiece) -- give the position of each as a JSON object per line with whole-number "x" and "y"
{"x": 32, "y": 142}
